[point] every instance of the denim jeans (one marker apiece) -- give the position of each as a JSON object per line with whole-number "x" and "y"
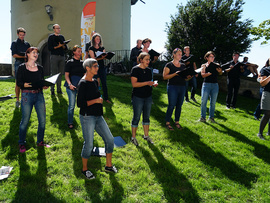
{"x": 28, "y": 101}
{"x": 89, "y": 124}
{"x": 176, "y": 96}
{"x": 102, "y": 73}
{"x": 57, "y": 66}
{"x": 72, "y": 100}
{"x": 209, "y": 89}
{"x": 141, "y": 105}
{"x": 257, "y": 112}
{"x": 193, "y": 82}
{"x": 16, "y": 66}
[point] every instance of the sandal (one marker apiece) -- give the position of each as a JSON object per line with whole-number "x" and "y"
{"x": 169, "y": 127}
{"x": 70, "y": 126}
{"x": 178, "y": 126}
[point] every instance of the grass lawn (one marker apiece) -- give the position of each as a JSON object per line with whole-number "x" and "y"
{"x": 204, "y": 162}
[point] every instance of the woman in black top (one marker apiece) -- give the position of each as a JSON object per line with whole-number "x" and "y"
{"x": 265, "y": 104}
{"x": 176, "y": 87}
{"x": 73, "y": 73}
{"x": 102, "y": 72}
{"x": 141, "y": 80}
{"x": 210, "y": 86}
{"x": 91, "y": 110}
{"x": 28, "y": 79}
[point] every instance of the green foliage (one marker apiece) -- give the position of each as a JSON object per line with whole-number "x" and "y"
{"x": 210, "y": 25}
{"x": 262, "y": 31}
{"x": 204, "y": 162}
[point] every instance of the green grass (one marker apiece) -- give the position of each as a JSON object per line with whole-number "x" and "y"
{"x": 223, "y": 162}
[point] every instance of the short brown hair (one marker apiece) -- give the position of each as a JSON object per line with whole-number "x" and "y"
{"x": 21, "y": 29}
{"x": 146, "y": 40}
{"x": 141, "y": 56}
{"x": 75, "y": 48}
{"x": 208, "y": 54}
{"x": 28, "y": 51}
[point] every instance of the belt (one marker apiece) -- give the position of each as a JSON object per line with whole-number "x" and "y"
{"x": 31, "y": 91}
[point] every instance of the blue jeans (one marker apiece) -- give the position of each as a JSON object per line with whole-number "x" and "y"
{"x": 209, "y": 89}
{"x": 141, "y": 105}
{"x": 16, "y": 66}
{"x": 72, "y": 100}
{"x": 89, "y": 124}
{"x": 102, "y": 73}
{"x": 28, "y": 101}
{"x": 257, "y": 112}
{"x": 193, "y": 82}
{"x": 176, "y": 96}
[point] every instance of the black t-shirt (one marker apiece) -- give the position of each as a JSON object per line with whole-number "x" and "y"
{"x": 211, "y": 78}
{"x": 235, "y": 72}
{"x": 191, "y": 60}
{"x": 266, "y": 72}
{"x": 88, "y": 91}
{"x": 75, "y": 67}
{"x": 100, "y": 62}
{"x": 142, "y": 75}
{"x": 26, "y": 76}
{"x": 19, "y": 47}
{"x": 177, "y": 80}
{"x": 54, "y": 41}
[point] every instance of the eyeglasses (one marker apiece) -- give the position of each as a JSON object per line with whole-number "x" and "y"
{"x": 95, "y": 66}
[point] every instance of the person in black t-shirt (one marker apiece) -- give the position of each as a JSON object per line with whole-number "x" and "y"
{"x": 97, "y": 45}
{"x": 89, "y": 101}
{"x": 210, "y": 87}
{"x": 189, "y": 61}
{"x": 176, "y": 88}
{"x": 134, "y": 52}
{"x": 265, "y": 104}
{"x": 88, "y": 45}
{"x": 18, "y": 49}
{"x": 32, "y": 96}
{"x": 234, "y": 70}
{"x": 57, "y": 48}
{"x": 73, "y": 73}
{"x": 142, "y": 82}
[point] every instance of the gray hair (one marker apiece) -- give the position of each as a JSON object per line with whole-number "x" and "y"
{"x": 89, "y": 63}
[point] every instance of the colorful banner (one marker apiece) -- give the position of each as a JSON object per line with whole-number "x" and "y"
{"x": 87, "y": 24}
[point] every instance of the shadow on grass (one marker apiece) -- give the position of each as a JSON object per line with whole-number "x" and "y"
{"x": 175, "y": 185}
{"x": 11, "y": 140}
{"x": 260, "y": 151}
{"x": 59, "y": 116}
{"x": 214, "y": 159}
{"x": 33, "y": 188}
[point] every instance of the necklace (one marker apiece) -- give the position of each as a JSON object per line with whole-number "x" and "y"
{"x": 29, "y": 66}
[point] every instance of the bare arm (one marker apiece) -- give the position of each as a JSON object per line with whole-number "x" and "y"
{"x": 166, "y": 75}
{"x": 264, "y": 80}
{"x": 203, "y": 73}
{"x": 135, "y": 83}
{"x": 94, "y": 101}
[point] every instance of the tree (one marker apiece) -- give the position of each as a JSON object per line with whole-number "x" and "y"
{"x": 210, "y": 25}
{"x": 263, "y": 30}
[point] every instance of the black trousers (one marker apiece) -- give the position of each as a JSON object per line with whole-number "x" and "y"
{"x": 233, "y": 85}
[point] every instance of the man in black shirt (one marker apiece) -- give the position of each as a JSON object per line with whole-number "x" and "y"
{"x": 189, "y": 61}
{"x": 56, "y": 46}
{"x": 233, "y": 80}
{"x": 134, "y": 52}
{"x": 18, "y": 49}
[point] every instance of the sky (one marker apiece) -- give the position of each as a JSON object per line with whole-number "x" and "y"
{"x": 149, "y": 20}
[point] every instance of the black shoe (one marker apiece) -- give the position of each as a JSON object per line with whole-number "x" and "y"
{"x": 52, "y": 93}
{"x": 111, "y": 169}
{"x": 88, "y": 174}
{"x": 260, "y": 136}
{"x": 187, "y": 100}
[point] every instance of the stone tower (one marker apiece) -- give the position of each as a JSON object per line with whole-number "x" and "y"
{"x": 112, "y": 21}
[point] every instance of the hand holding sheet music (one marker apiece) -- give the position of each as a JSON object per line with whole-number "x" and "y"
{"x": 108, "y": 55}
{"x": 47, "y": 82}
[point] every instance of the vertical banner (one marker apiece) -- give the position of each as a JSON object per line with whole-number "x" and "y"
{"x": 87, "y": 24}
